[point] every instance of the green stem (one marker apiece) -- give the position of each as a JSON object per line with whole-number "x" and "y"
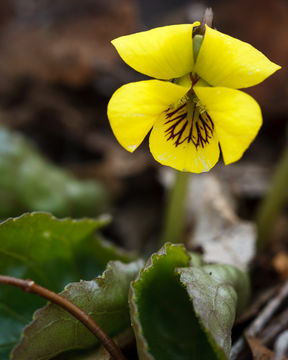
{"x": 273, "y": 202}
{"x": 174, "y": 221}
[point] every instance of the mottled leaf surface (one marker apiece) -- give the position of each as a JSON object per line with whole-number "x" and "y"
{"x": 100, "y": 353}
{"x": 105, "y": 299}
{"x": 162, "y": 314}
{"x": 185, "y": 311}
{"x": 217, "y": 293}
{"x": 53, "y": 253}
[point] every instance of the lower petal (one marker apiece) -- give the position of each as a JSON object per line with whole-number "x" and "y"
{"x": 237, "y": 118}
{"x": 182, "y": 154}
{"x": 134, "y": 108}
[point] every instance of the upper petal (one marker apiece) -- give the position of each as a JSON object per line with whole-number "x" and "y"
{"x": 134, "y": 108}
{"x": 226, "y": 61}
{"x": 164, "y": 52}
{"x": 237, "y": 118}
{"x": 176, "y": 151}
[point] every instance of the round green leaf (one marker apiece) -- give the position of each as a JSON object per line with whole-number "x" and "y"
{"x": 163, "y": 317}
{"x": 105, "y": 299}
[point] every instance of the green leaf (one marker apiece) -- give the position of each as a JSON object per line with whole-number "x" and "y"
{"x": 28, "y": 182}
{"x": 53, "y": 253}
{"x": 37, "y": 246}
{"x": 185, "y": 312}
{"x": 123, "y": 339}
{"x": 105, "y": 299}
{"x": 163, "y": 318}
{"x": 216, "y": 291}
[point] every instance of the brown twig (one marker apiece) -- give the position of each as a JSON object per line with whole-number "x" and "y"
{"x": 266, "y": 314}
{"x": 31, "y": 287}
{"x": 258, "y": 324}
{"x": 281, "y": 346}
{"x": 276, "y": 327}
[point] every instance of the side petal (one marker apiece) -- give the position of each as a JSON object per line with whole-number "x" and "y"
{"x": 185, "y": 156}
{"x": 134, "y": 108}
{"x": 226, "y": 61}
{"x": 237, "y": 118}
{"x": 163, "y": 53}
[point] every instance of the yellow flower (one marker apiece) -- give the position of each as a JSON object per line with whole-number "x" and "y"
{"x": 194, "y": 106}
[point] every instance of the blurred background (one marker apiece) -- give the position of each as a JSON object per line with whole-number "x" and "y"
{"x": 57, "y": 73}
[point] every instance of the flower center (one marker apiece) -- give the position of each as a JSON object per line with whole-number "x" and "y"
{"x": 189, "y": 122}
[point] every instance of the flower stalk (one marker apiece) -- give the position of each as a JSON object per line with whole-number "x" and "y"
{"x": 273, "y": 202}
{"x": 174, "y": 219}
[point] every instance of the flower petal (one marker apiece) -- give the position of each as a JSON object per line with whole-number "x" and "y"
{"x": 134, "y": 108}
{"x": 185, "y": 156}
{"x": 163, "y": 53}
{"x": 226, "y": 61}
{"x": 236, "y": 116}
